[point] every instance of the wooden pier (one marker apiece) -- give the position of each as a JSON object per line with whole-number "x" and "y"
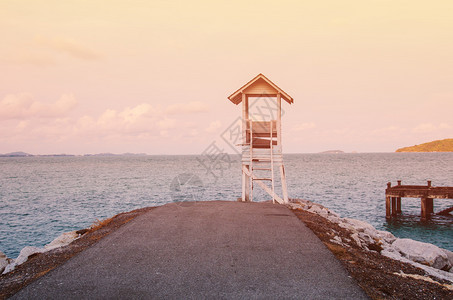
{"x": 427, "y": 194}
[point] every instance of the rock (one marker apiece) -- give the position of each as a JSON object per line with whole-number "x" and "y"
{"x": 334, "y": 219}
{"x": 386, "y": 236}
{"x": 313, "y": 208}
{"x": 393, "y": 254}
{"x": 355, "y": 237}
{"x": 450, "y": 258}
{"x": 4, "y": 261}
{"x": 357, "y": 225}
{"x": 295, "y": 206}
{"x": 319, "y": 210}
{"x": 423, "y": 253}
{"x": 24, "y": 254}
{"x": 63, "y": 240}
{"x": 370, "y": 238}
{"x": 337, "y": 240}
{"x": 301, "y": 201}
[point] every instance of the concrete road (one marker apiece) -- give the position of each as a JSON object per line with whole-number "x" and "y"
{"x": 203, "y": 250}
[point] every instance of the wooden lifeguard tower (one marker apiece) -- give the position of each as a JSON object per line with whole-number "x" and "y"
{"x": 261, "y": 139}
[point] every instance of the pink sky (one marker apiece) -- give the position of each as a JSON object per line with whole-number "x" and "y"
{"x": 154, "y": 76}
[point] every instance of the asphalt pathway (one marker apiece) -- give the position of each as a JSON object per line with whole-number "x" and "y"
{"x": 203, "y": 250}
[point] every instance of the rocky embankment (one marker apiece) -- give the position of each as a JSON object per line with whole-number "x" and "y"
{"x": 8, "y": 264}
{"x": 434, "y": 261}
{"x": 386, "y": 267}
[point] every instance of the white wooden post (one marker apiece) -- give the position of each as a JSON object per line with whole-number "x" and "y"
{"x": 279, "y": 142}
{"x": 245, "y": 177}
{"x": 279, "y": 122}
{"x": 284, "y": 187}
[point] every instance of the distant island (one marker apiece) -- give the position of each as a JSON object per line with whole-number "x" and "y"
{"x": 434, "y": 146}
{"x": 15, "y": 154}
{"x": 23, "y": 154}
{"x": 332, "y": 151}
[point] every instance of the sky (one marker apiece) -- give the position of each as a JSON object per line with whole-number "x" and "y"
{"x": 93, "y": 76}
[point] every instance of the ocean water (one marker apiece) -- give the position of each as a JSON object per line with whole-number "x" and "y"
{"x": 42, "y": 197}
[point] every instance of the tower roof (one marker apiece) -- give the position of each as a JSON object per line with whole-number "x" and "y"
{"x": 258, "y": 87}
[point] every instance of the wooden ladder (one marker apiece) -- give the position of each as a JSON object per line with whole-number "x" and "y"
{"x": 262, "y": 160}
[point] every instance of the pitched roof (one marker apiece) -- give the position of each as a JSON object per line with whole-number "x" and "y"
{"x": 259, "y": 86}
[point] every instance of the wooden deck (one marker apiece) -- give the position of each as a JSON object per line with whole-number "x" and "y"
{"x": 426, "y": 193}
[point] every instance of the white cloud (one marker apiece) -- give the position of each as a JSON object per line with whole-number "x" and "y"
{"x": 23, "y": 106}
{"x": 424, "y": 128}
{"x": 213, "y": 127}
{"x": 190, "y": 107}
{"x": 68, "y": 46}
{"x": 167, "y": 123}
{"x": 389, "y": 130}
{"x": 27, "y": 57}
{"x": 25, "y": 121}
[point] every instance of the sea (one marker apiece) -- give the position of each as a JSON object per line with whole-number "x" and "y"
{"x": 43, "y": 197}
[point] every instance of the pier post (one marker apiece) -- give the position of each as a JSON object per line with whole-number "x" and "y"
{"x": 394, "y": 206}
{"x": 427, "y": 207}
{"x": 387, "y": 207}
{"x": 398, "y": 205}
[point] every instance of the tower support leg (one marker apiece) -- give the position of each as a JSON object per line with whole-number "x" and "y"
{"x": 245, "y": 186}
{"x": 284, "y": 187}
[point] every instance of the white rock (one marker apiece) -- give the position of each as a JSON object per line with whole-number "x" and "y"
{"x": 393, "y": 254}
{"x": 357, "y": 225}
{"x": 4, "y": 261}
{"x": 24, "y": 254}
{"x": 337, "y": 240}
{"x": 63, "y": 240}
{"x": 366, "y": 239}
{"x": 303, "y": 202}
{"x": 317, "y": 209}
{"x": 333, "y": 214}
{"x": 334, "y": 219}
{"x": 423, "y": 253}
{"x": 355, "y": 237}
{"x": 450, "y": 258}
{"x": 386, "y": 236}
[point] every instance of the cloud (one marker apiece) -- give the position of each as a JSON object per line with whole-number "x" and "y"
{"x": 191, "y": 107}
{"x": 141, "y": 120}
{"x": 25, "y": 121}
{"x": 429, "y": 128}
{"x": 69, "y": 47}
{"x": 424, "y": 128}
{"x": 24, "y": 57}
{"x": 213, "y": 127}
{"x": 24, "y": 106}
{"x": 389, "y": 130}
{"x": 167, "y": 123}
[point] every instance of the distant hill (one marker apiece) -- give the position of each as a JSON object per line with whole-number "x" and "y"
{"x": 112, "y": 154}
{"x": 435, "y": 146}
{"x": 23, "y": 154}
{"x": 15, "y": 154}
{"x": 332, "y": 151}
